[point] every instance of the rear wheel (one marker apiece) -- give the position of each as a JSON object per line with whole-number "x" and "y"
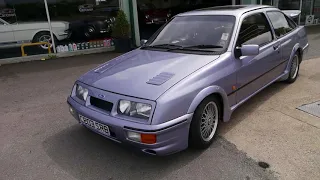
{"x": 294, "y": 69}
{"x": 205, "y": 122}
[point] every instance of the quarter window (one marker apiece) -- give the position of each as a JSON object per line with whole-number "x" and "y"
{"x": 280, "y": 23}
{"x": 255, "y": 29}
{"x": 292, "y": 24}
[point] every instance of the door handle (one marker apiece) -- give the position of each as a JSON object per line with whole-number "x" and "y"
{"x": 276, "y": 47}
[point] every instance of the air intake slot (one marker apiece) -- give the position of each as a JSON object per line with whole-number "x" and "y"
{"x": 160, "y": 78}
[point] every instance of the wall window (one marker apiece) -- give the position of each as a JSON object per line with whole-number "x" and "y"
{"x": 280, "y": 24}
{"x": 249, "y": 2}
{"x": 255, "y": 29}
{"x": 316, "y": 11}
{"x": 76, "y": 24}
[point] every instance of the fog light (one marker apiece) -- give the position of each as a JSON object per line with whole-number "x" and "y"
{"x": 71, "y": 110}
{"x": 143, "y": 138}
{"x": 134, "y": 136}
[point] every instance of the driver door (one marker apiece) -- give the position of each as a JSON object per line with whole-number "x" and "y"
{"x": 257, "y": 71}
{"x": 6, "y": 33}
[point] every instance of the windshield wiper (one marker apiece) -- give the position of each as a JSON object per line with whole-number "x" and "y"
{"x": 169, "y": 46}
{"x": 165, "y": 46}
{"x": 204, "y": 46}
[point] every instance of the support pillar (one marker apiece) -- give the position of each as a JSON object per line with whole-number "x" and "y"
{"x": 130, "y": 9}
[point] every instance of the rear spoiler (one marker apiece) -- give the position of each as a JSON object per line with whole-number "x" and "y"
{"x": 292, "y": 13}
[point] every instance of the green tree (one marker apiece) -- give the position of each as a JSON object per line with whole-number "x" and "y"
{"x": 121, "y": 27}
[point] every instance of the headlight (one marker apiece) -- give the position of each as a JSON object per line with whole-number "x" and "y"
{"x": 134, "y": 109}
{"x": 81, "y": 92}
{"x": 147, "y": 16}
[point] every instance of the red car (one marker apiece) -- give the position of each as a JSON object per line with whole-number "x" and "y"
{"x": 149, "y": 14}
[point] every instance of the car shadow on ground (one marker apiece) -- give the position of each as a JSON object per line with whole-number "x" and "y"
{"x": 86, "y": 155}
{"x": 251, "y": 106}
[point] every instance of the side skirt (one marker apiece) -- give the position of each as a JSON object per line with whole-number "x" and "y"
{"x": 234, "y": 107}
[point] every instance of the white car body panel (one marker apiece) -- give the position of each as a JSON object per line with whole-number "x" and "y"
{"x": 6, "y": 33}
{"x": 17, "y": 33}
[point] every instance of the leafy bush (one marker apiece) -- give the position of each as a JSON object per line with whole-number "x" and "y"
{"x": 121, "y": 27}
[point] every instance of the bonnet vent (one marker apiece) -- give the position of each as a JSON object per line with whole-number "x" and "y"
{"x": 160, "y": 78}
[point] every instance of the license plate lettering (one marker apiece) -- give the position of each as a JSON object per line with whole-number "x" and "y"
{"x": 104, "y": 129}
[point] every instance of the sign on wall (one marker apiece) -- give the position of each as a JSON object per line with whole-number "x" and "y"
{"x": 86, "y": 8}
{"x": 7, "y": 13}
{"x": 309, "y": 19}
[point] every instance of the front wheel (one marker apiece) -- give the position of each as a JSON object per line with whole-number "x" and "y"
{"x": 43, "y": 37}
{"x": 294, "y": 69}
{"x": 90, "y": 31}
{"x": 205, "y": 122}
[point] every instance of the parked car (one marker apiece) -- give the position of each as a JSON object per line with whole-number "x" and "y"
{"x": 176, "y": 89}
{"x": 17, "y": 33}
{"x": 149, "y": 14}
{"x": 95, "y": 24}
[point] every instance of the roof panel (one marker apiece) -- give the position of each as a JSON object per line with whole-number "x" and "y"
{"x": 234, "y": 10}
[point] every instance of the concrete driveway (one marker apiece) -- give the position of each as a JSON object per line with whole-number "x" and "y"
{"x": 270, "y": 128}
{"x": 40, "y": 140}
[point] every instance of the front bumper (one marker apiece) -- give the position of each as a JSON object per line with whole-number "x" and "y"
{"x": 172, "y": 136}
{"x": 63, "y": 36}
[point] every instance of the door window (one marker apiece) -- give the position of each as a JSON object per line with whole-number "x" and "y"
{"x": 280, "y": 24}
{"x": 255, "y": 29}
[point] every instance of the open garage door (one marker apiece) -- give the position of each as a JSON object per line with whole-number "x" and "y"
{"x": 153, "y": 14}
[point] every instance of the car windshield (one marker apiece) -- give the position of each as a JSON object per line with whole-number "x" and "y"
{"x": 209, "y": 33}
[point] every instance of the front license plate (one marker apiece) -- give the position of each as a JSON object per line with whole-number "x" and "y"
{"x": 104, "y": 129}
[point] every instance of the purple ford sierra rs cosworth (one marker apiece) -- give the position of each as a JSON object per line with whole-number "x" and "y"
{"x": 189, "y": 77}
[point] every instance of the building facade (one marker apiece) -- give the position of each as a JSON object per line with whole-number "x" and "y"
{"x": 86, "y": 24}
{"x": 310, "y": 10}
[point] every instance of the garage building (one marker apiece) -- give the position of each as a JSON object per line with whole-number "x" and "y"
{"x": 310, "y": 11}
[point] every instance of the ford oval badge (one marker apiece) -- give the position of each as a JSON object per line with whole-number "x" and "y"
{"x": 101, "y": 96}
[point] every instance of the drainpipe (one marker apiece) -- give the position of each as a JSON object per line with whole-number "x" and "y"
{"x": 301, "y": 11}
{"x": 131, "y": 21}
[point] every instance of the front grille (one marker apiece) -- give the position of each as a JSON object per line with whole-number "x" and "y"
{"x": 101, "y": 104}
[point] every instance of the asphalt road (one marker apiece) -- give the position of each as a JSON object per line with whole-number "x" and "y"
{"x": 40, "y": 140}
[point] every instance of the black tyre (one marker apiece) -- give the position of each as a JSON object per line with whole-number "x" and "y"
{"x": 205, "y": 123}
{"x": 43, "y": 36}
{"x": 294, "y": 69}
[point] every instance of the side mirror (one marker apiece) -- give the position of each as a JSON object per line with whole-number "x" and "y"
{"x": 143, "y": 42}
{"x": 248, "y": 50}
